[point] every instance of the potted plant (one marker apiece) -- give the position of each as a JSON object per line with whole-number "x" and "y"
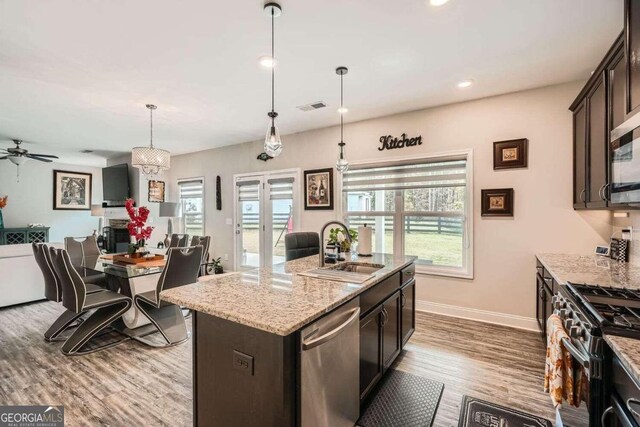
{"x": 137, "y": 228}
{"x": 337, "y": 238}
{"x": 217, "y": 266}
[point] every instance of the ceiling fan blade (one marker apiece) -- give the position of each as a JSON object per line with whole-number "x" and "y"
{"x": 31, "y": 156}
{"x": 44, "y": 155}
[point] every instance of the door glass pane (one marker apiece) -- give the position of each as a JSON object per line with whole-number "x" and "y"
{"x": 435, "y": 241}
{"x": 249, "y": 225}
{"x": 282, "y": 210}
{"x": 381, "y": 231}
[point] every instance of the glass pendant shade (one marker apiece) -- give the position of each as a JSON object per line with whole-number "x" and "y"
{"x": 272, "y": 141}
{"x": 150, "y": 160}
{"x": 342, "y": 164}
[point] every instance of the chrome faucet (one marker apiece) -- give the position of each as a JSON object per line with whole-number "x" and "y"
{"x": 324, "y": 227}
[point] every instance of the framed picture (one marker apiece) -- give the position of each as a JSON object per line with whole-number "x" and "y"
{"x": 510, "y": 154}
{"x": 318, "y": 189}
{"x": 498, "y": 202}
{"x": 156, "y": 191}
{"x": 71, "y": 190}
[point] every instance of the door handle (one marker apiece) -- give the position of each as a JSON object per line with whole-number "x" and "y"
{"x": 403, "y": 299}
{"x": 604, "y": 192}
{"x": 385, "y": 317}
{"x": 582, "y": 193}
{"x": 600, "y": 192}
{"x": 604, "y": 416}
{"x": 308, "y": 345}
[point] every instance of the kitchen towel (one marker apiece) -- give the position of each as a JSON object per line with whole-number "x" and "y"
{"x": 364, "y": 241}
{"x": 558, "y": 372}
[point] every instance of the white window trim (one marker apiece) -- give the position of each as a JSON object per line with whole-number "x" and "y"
{"x": 263, "y": 176}
{"x": 204, "y": 199}
{"x": 398, "y": 244}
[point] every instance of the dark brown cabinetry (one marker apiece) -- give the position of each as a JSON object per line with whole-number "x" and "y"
{"x": 632, "y": 56}
{"x": 408, "y": 302}
{"x": 386, "y": 324}
{"x": 546, "y": 287}
{"x": 596, "y": 111}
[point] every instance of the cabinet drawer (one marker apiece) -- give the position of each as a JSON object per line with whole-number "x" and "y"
{"x": 407, "y": 274}
{"x": 376, "y": 295}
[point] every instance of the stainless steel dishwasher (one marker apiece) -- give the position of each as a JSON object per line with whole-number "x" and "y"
{"x": 330, "y": 363}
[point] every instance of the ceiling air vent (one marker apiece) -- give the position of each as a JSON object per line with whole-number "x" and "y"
{"x": 313, "y": 106}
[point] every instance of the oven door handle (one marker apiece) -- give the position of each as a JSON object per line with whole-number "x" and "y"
{"x": 633, "y": 401}
{"x": 577, "y": 354}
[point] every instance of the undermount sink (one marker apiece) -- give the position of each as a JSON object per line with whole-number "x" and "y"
{"x": 355, "y": 267}
{"x": 351, "y": 272}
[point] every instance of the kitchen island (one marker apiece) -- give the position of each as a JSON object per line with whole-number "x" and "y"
{"x": 248, "y": 362}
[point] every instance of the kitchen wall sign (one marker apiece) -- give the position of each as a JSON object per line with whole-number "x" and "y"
{"x": 389, "y": 142}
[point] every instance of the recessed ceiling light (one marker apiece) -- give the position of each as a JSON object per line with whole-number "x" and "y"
{"x": 343, "y": 110}
{"x": 465, "y": 83}
{"x": 437, "y": 2}
{"x": 268, "y": 61}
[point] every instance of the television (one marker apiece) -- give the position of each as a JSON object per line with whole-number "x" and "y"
{"x": 115, "y": 183}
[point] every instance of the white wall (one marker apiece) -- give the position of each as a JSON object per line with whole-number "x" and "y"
{"x": 634, "y": 221}
{"x": 31, "y": 199}
{"x": 544, "y": 220}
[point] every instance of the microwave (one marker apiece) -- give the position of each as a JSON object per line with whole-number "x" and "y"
{"x": 625, "y": 168}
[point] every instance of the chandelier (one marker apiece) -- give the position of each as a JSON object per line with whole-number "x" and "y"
{"x": 150, "y": 160}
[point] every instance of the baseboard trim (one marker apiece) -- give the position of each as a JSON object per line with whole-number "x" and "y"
{"x": 511, "y": 320}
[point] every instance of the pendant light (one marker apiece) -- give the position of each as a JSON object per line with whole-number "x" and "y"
{"x": 272, "y": 141}
{"x": 342, "y": 165}
{"x": 150, "y": 160}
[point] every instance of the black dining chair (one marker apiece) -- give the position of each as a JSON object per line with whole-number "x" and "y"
{"x": 83, "y": 253}
{"x": 53, "y": 292}
{"x": 178, "y": 241}
{"x": 182, "y": 268}
{"x": 205, "y": 242}
{"x": 105, "y": 306}
{"x": 301, "y": 244}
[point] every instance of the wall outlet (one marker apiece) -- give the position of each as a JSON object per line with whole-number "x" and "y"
{"x": 243, "y": 362}
{"x": 627, "y": 233}
{"x": 229, "y": 221}
{"x": 226, "y": 257}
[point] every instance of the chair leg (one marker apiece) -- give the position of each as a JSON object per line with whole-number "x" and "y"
{"x": 168, "y": 319}
{"x": 62, "y": 323}
{"x": 95, "y": 323}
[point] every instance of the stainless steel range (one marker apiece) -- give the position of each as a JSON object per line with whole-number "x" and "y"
{"x": 588, "y": 311}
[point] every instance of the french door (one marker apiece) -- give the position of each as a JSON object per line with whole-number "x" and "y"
{"x": 266, "y": 210}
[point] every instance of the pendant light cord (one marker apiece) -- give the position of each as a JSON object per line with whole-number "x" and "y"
{"x": 151, "y": 121}
{"x": 341, "y": 110}
{"x": 273, "y": 59}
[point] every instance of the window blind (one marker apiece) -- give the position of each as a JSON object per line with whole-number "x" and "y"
{"x": 248, "y": 191}
{"x": 191, "y": 189}
{"x": 281, "y": 188}
{"x": 434, "y": 174}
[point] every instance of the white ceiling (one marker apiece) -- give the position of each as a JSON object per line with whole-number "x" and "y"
{"x": 76, "y": 74}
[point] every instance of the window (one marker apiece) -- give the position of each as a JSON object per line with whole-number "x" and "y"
{"x": 420, "y": 207}
{"x": 192, "y": 205}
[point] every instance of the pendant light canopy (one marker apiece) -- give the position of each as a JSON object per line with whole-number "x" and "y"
{"x": 342, "y": 165}
{"x": 272, "y": 141}
{"x": 150, "y": 160}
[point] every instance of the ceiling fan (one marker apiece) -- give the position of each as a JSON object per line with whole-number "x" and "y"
{"x": 18, "y": 155}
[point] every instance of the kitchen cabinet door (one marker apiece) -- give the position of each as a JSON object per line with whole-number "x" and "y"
{"x": 598, "y": 144}
{"x": 632, "y": 55}
{"x": 541, "y": 304}
{"x": 370, "y": 351}
{"x": 617, "y": 86}
{"x": 391, "y": 329}
{"x": 580, "y": 156}
{"x": 408, "y": 300}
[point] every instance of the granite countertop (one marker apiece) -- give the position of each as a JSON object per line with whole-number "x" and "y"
{"x": 591, "y": 269}
{"x": 628, "y": 350}
{"x": 276, "y": 299}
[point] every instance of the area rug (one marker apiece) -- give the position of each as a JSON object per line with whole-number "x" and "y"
{"x": 403, "y": 399}
{"x": 479, "y": 413}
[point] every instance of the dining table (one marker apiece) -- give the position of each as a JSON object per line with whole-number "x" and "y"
{"x": 129, "y": 280}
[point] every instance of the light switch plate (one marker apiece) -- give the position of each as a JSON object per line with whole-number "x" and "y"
{"x": 229, "y": 221}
